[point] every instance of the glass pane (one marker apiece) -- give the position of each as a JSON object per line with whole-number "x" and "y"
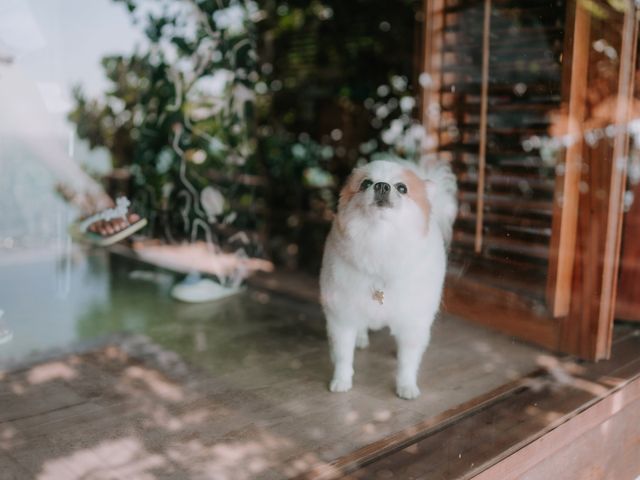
{"x": 245, "y": 239}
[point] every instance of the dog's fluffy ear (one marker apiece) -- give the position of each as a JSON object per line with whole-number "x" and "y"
{"x": 351, "y": 187}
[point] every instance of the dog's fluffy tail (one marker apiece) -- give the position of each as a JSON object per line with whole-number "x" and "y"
{"x": 442, "y": 189}
{"x": 442, "y": 192}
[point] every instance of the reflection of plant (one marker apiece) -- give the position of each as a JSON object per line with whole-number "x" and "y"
{"x": 181, "y": 107}
{"x": 398, "y": 132}
{"x": 319, "y": 61}
{"x": 194, "y": 104}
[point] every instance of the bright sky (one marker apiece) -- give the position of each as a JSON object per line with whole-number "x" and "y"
{"x": 59, "y": 43}
{"x": 55, "y": 44}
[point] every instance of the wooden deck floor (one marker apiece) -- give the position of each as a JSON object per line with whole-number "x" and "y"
{"x": 234, "y": 392}
{"x": 572, "y": 421}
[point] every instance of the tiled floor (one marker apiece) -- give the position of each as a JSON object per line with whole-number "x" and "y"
{"x": 108, "y": 378}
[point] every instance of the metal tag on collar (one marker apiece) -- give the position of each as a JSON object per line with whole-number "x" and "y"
{"x": 378, "y": 296}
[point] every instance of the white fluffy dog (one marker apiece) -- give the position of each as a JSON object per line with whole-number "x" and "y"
{"x": 384, "y": 264}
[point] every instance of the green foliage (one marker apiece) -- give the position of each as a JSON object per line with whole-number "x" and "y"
{"x": 321, "y": 60}
{"x": 181, "y": 105}
{"x": 321, "y": 64}
{"x": 194, "y": 104}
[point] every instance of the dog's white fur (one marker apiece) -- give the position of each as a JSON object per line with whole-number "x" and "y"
{"x": 399, "y": 250}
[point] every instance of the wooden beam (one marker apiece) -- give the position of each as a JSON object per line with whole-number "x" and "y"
{"x": 566, "y": 198}
{"x": 482, "y": 148}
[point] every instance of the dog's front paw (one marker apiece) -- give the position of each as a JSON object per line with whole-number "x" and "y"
{"x": 340, "y": 385}
{"x": 408, "y": 391}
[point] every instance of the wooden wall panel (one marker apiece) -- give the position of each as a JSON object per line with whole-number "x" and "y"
{"x": 628, "y": 302}
{"x": 628, "y": 292}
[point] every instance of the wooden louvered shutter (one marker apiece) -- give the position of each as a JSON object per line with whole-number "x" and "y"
{"x": 504, "y": 74}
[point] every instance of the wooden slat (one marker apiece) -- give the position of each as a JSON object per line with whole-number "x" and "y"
{"x": 502, "y": 4}
{"x": 517, "y": 204}
{"x": 538, "y": 129}
{"x": 507, "y": 231}
{"x": 521, "y": 278}
{"x": 505, "y": 244}
{"x": 502, "y": 68}
{"x": 533, "y": 224}
{"x": 544, "y": 91}
{"x": 508, "y": 51}
{"x": 499, "y": 180}
{"x": 452, "y": 44}
{"x": 503, "y": 31}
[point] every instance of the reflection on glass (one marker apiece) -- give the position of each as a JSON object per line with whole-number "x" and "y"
{"x": 231, "y": 126}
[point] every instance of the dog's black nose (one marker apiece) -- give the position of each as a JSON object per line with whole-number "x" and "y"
{"x": 381, "y": 187}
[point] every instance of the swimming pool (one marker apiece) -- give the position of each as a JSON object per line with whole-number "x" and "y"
{"x": 55, "y": 301}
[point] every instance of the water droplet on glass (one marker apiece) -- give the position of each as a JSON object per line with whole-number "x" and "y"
{"x": 383, "y": 90}
{"x": 583, "y": 187}
{"x": 425, "y": 80}
{"x": 628, "y": 200}
{"x": 520, "y": 89}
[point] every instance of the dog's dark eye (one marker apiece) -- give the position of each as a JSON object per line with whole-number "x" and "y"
{"x": 366, "y": 184}
{"x": 401, "y": 187}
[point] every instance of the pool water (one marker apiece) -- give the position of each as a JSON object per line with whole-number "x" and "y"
{"x": 56, "y": 302}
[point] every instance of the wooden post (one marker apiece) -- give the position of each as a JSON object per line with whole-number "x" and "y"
{"x": 564, "y": 243}
{"x": 482, "y": 150}
{"x": 613, "y": 236}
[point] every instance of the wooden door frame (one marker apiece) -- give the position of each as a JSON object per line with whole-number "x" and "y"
{"x": 586, "y": 329}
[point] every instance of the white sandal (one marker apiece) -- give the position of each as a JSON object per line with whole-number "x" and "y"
{"x": 80, "y": 230}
